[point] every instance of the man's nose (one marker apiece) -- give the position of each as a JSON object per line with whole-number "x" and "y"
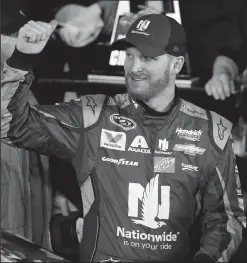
{"x": 137, "y": 65}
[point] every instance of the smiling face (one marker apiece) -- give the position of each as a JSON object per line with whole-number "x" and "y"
{"x": 146, "y": 77}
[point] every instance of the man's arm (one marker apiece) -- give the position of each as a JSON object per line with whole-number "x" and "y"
{"x": 223, "y": 211}
{"x": 52, "y": 130}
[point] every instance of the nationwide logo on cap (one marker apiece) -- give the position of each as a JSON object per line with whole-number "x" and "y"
{"x": 141, "y": 27}
{"x": 113, "y": 140}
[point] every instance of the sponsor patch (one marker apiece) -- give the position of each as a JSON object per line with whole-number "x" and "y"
{"x": 189, "y": 167}
{"x": 164, "y": 165}
{"x": 191, "y": 135}
{"x": 221, "y": 130}
{"x": 123, "y": 122}
{"x": 113, "y": 140}
{"x": 140, "y": 145}
{"x": 163, "y": 147}
{"x": 193, "y": 111}
{"x": 190, "y": 149}
{"x": 121, "y": 161}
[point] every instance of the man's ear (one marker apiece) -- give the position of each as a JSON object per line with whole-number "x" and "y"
{"x": 177, "y": 65}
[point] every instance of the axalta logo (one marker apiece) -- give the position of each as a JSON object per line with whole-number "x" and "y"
{"x": 140, "y": 145}
{"x": 164, "y": 165}
{"x": 123, "y": 122}
{"x": 121, "y": 161}
{"x": 189, "y": 167}
{"x": 189, "y": 149}
{"x": 113, "y": 140}
{"x": 191, "y": 135}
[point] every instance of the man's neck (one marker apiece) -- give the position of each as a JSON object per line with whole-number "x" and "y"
{"x": 162, "y": 101}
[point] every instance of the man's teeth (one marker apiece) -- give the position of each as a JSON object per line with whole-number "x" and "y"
{"x": 139, "y": 78}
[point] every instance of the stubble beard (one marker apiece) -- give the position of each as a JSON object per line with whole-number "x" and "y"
{"x": 151, "y": 91}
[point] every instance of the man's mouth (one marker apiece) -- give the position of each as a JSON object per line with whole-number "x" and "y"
{"x": 138, "y": 79}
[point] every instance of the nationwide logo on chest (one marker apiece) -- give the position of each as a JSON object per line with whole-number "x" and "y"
{"x": 164, "y": 165}
{"x": 140, "y": 145}
{"x": 123, "y": 122}
{"x": 113, "y": 140}
{"x": 149, "y": 206}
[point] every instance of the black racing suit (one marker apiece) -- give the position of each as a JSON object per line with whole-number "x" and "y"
{"x": 152, "y": 174}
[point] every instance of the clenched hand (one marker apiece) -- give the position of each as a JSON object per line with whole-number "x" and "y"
{"x": 33, "y": 36}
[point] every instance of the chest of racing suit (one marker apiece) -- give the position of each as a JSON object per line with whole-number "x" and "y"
{"x": 149, "y": 174}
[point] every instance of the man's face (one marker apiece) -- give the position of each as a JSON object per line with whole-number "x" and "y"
{"x": 146, "y": 77}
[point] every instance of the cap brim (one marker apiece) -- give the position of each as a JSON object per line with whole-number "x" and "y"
{"x": 147, "y": 49}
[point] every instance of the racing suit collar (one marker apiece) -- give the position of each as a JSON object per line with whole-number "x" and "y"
{"x": 152, "y": 112}
{"x": 150, "y": 117}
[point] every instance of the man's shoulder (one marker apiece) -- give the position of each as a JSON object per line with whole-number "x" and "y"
{"x": 92, "y": 105}
{"x": 193, "y": 110}
{"x": 219, "y": 128}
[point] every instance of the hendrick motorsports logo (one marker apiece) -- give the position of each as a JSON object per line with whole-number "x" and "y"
{"x": 120, "y": 161}
{"x": 191, "y": 135}
{"x": 113, "y": 140}
{"x": 189, "y": 149}
{"x": 123, "y": 122}
{"x": 189, "y": 167}
{"x": 164, "y": 165}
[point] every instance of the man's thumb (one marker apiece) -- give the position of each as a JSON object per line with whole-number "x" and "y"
{"x": 53, "y": 24}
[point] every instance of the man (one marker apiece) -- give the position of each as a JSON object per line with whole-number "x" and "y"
{"x": 209, "y": 25}
{"x": 227, "y": 67}
{"x": 26, "y": 199}
{"x": 231, "y": 60}
{"x": 156, "y": 161}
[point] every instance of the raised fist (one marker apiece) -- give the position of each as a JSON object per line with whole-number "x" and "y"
{"x": 33, "y": 36}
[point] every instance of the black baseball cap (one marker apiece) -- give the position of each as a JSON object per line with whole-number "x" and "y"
{"x": 155, "y": 35}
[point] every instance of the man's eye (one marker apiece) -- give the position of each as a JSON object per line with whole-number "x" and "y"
{"x": 148, "y": 58}
{"x": 129, "y": 55}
